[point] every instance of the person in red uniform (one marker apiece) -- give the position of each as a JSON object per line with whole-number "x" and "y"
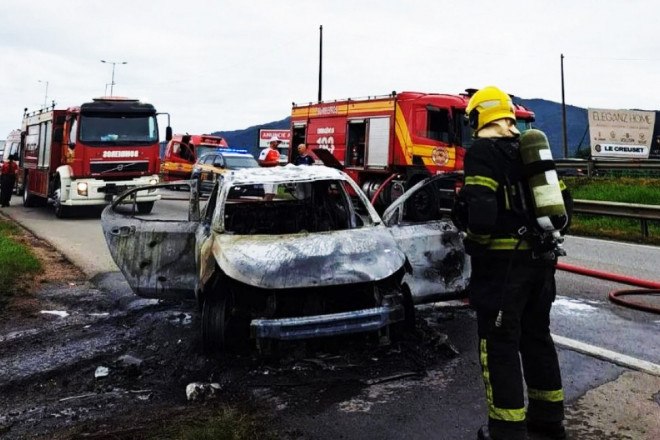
{"x": 270, "y": 157}
{"x": 7, "y": 180}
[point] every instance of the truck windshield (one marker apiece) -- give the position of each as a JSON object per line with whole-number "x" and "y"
{"x": 118, "y": 129}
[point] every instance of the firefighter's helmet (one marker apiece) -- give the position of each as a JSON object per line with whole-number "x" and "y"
{"x": 487, "y": 105}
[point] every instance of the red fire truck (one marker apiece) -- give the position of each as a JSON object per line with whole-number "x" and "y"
{"x": 182, "y": 152}
{"x": 86, "y": 155}
{"x": 397, "y": 139}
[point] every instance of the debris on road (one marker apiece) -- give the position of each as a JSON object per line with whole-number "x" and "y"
{"x": 60, "y": 313}
{"x": 101, "y": 372}
{"x": 202, "y": 391}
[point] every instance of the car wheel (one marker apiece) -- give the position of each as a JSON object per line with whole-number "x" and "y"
{"x": 145, "y": 207}
{"x": 215, "y": 318}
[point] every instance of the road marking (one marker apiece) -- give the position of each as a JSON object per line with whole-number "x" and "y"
{"x": 608, "y": 355}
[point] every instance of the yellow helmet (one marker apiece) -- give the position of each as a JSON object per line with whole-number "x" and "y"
{"x": 487, "y": 105}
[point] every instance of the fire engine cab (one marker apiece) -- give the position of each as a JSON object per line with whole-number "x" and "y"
{"x": 389, "y": 143}
{"x": 87, "y": 155}
{"x": 182, "y": 152}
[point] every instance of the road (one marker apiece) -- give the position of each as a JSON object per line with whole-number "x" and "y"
{"x": 425, "y": 387}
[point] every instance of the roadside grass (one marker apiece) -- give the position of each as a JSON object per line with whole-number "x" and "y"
{"x": 16, "y": 261}
{"x": 645, "y": 191}
{"x": 225, "y": 424}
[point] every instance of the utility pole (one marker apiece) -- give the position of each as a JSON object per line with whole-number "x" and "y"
{"x": 112, "y": 82}
{"x": 563, "y": 110}
{"x": 320, "y": 60}
{"x": 46, "y": 95}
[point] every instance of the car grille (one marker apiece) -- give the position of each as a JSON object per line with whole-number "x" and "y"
{"x": 118, "y": 167}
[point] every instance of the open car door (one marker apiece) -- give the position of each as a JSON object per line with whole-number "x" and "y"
{"x": 434, "y": 246}
{"x": 155, "y": 252}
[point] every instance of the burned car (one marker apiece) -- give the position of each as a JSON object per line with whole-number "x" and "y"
{"x": 314, "y": 260}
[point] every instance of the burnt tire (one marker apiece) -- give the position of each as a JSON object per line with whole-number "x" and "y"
{"x": 145, "y": 207}
{"x": 215, "y": 318}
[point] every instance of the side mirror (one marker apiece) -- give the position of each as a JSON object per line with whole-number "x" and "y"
{"x": 168, "y": 133}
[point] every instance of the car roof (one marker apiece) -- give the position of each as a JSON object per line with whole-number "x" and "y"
{"x": 284, "y": 174}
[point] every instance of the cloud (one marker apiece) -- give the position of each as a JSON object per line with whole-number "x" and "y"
{"x": 232, "y": 64}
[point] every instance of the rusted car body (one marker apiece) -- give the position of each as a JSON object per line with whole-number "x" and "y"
{"x": 316, "y": 260}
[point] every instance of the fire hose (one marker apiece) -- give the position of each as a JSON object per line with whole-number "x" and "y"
{"x": 649, "y": 287}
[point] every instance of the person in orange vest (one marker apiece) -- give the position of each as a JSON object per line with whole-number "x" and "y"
{"x": 270, "y": 157}
{"x": 7, "y": 180}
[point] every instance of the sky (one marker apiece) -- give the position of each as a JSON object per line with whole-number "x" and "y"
{"x": 217, "y": 65}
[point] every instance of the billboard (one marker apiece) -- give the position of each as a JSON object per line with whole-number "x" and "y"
{"x": 620, "y": 133}
{"x": 265, "y": 134}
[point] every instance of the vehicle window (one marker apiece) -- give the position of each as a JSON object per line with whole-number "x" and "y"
{"x": 208, "y": 160}
{"x": 118, "y": 129}
{"x": 236, "y": 162}
{"x": 438, "y": 124}
{"x": 218, "y": 161}
{"x": 300, "y": 207}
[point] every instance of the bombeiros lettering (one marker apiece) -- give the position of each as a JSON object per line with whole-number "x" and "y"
{"x": 120, "y": 153}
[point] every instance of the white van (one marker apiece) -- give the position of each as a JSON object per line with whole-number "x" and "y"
{"x": 12, "y": 144}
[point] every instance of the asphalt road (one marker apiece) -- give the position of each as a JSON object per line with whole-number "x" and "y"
{"x": 608, "y": 397}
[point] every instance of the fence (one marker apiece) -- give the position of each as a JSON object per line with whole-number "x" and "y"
{"x": 643, "y": 213}
{"x": 591, "y": 165}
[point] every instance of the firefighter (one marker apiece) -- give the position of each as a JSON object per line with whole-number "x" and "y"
{"x": 512, "y": 286}
{"x": 7, "y": 180}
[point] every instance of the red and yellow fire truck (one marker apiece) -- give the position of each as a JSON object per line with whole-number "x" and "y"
{"x": 400, "y": 138}
{"x": 86, "y": 155}
{"x": 182, "y": 152}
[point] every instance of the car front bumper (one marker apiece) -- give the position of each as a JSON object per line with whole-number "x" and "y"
{"x": 334, "y": 324}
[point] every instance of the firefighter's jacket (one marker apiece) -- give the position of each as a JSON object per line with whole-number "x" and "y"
{"x": 497, "y": 206}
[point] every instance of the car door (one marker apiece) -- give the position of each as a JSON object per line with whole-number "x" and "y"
{"x": 434, "y": 247}
{"x": 156, "y": 252}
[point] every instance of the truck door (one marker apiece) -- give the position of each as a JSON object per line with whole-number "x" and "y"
{"x": 157, "y": 256}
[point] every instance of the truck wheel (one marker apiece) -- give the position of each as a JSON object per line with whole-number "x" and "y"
{"x": 61, "y": 211}
{"x": 423, "y": 205}
{"x": 28, "y": 199}
{"x": 145, "y": 207}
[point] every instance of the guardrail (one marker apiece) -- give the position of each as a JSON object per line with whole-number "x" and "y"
{"x": 591, "y": 165}
{"x": 643, "y": 213}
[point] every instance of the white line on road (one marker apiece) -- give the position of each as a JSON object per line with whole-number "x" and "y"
{"x": 608, "y": 355}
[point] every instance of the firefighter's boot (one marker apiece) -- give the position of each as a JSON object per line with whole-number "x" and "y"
{"x": 550, "y": 430}
{"x": 502, "y": 433}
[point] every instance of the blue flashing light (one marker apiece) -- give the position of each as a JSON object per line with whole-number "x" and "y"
{"x": 232, "y": 150}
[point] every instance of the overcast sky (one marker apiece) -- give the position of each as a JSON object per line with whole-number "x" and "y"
{"x": 225, "y": 64}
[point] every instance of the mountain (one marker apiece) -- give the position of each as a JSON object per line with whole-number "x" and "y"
{"x": 548, "y": 119}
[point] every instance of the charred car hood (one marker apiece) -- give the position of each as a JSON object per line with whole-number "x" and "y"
{"x": 309, "y": 260}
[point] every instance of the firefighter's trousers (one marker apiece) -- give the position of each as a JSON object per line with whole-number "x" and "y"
{"x": 523, "y": 288}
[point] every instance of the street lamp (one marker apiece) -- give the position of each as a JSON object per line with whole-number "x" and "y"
{"x": 112, "y": 82}
{"x": 46, "y": 96}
